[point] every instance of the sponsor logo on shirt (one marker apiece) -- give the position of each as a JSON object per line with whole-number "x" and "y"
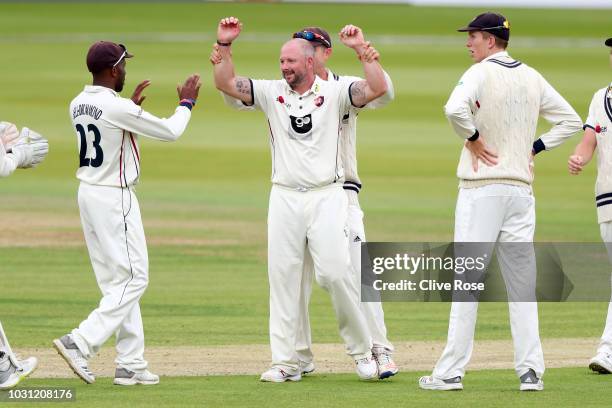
{"x": 301, "y": 127}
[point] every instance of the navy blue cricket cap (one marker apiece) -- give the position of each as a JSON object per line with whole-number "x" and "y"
{"x": 609, "y": 42}
{"x": 105, "y": 54}
{"x": 489, "y": 22}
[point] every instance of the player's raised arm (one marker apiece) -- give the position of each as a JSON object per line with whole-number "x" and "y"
{"x": 225, "y": 79}
{"x": 133, "y": 118}
{"x": 375, "y": 84}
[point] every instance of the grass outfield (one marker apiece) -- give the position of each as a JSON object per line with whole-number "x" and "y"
{"x": 567, "y": 387}
{"x": 204, "y": 198}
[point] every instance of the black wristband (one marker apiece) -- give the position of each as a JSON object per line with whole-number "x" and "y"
{"x": 474, "y": 137}
{"x": 224, "y": 44}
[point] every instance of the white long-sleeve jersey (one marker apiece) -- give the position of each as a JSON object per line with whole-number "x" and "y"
{"x": 501, "y": 99}
{"x": 107, "y": 128}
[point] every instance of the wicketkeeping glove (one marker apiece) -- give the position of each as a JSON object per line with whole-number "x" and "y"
{"x": 9, "y": 134}
{"x": 31, "y": 149}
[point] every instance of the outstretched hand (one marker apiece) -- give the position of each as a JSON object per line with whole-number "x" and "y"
{"x": 370, "y": 54}
{"x": 190, "y": 88}
{"x": 137, "y": 96}
{"x": 352, "y": 37}
{"x": 228, "y": 29}
{"x": 215, "y": 55}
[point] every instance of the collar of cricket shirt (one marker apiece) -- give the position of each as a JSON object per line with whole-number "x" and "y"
{"x": 316, "y": 87}
{"x": 501, "y": 54}
{"x": 98, "y": 88}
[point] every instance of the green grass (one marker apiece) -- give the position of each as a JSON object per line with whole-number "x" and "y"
{"x": 569, "y": 387}
{"x": 204, "y": 198}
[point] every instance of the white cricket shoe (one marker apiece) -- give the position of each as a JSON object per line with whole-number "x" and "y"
{"x": 67, "y": 348}
{"x": 306, "y": 367}
{"x": 601, "y": 363}
{"x": 386, "y": 366}
{"x": 123, "y": 376}
{"x": 366, "y": 368}
{"x": 429, "y": 382}
{"x": 10, "y": 374}
{"x": 530, "y": 382}
{"x": 278, "y": 375}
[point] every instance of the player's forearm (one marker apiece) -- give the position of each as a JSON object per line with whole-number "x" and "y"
{"x": 376, "y": 83}
{"x": 586, "y": 147}
{"x": 148, "y": 125}
{"x": 224, "y": 74}
{"x": 568, "y": 125}
{"x": 386, "y": 98}
{"x": 461, "y": 119}
{"x": 557, "y": 111}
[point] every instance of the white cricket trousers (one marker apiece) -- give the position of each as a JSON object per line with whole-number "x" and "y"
{"x": 605, "y": 344}
{"x": 488, "y": 214}
{"x": 118, "y": 251}
{"x": 372, "y": 311}
{"x": 6, "y": 347}
{"x": 313, "y": 221}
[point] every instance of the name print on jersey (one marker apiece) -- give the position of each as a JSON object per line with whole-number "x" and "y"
{"x": 85, "y": 109}
{"x": 301, "y": 127}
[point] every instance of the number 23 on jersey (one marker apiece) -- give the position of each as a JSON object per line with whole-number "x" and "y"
{"x": 97, "y": 157}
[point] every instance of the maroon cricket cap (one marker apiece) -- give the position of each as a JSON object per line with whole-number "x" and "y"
{"x": 493, "y": 23}
{"x": 105, "y": 54}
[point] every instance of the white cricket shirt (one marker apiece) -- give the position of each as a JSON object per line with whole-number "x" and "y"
{"x": 304, "y": 130}
{"x": 600, "y": 120}
{"x": 348, "y": 133}
{"x": 107, "y": 128}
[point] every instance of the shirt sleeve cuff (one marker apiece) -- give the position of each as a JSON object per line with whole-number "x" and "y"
{"x": 538, "y": 146}
{"x": 474, "y": 137}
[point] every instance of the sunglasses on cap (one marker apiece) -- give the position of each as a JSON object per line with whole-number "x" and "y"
{"x": 122, "y": 55}
{"x": 311, "y": 36}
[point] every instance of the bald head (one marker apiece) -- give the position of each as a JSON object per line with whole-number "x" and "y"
{"x": 299, "y": 45}
{"x": 297, "y": 63}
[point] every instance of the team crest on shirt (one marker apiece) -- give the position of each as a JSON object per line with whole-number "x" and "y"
{"x": 601, "y": 129}
{"x": 319, "y": 101}
{"x": 301, "y": 127}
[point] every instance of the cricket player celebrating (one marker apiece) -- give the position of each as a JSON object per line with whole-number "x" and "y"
{"x": 23, "y": 150}
{"x": 308, "y": 207}
{"x": 106, "y": 126}
{"x": 372, "y": 311}
{"x": 495, "y": 108}
{"x": 596, "y": 136}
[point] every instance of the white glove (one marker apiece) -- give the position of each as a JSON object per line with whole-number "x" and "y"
{"x": 9, "y": 135}
{"x": 31, "y": 149}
